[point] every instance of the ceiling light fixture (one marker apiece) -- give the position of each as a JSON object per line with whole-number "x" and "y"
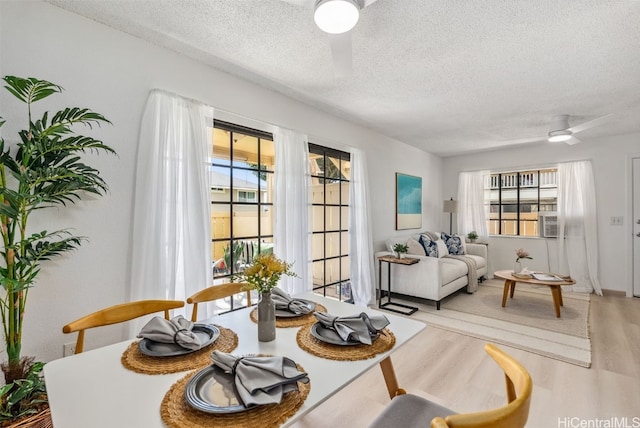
{"x": 557, "y": 136}
{"x": 336, "y": 16}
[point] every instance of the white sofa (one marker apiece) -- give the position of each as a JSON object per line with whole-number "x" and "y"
{"x": 432, "y": 278}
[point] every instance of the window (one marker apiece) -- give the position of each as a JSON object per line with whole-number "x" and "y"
{"x": 330, "y": 172}
{"x": 241, "y": 180}
{"x": 517, "y": 201}
{"x": 245, "y": 196}
{"x": 242, "y": 184}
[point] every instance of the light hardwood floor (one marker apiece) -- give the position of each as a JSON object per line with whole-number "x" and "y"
{"x": 454, "y": 370}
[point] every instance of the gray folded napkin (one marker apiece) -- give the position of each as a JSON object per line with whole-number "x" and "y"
{"x": 176, "y": 330}
{"x": 354, "y": 327}
{"x": 260, "y": 380}
{"x": 285, "y": 302}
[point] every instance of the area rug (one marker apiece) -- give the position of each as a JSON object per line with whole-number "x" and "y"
{"x": 528, "y": 321}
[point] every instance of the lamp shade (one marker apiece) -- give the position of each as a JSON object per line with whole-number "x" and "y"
{"x": 449, "y": 206}
{"x": 336, "y": 16}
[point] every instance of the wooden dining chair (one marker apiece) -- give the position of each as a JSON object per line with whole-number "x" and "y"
{"x": 410, "y": 410}
{"x": 118, "y": 313}
{"x": 216, "y": 292}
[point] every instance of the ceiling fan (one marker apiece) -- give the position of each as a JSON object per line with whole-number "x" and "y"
{"x": 560, "y": 131}
{"x": 337, "y": 18}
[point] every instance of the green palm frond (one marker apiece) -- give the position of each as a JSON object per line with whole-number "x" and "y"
{"x": 63, "y": 120}
{"x": 35, "y": 249}
{"x": 12, "y": 203}
{"x": 70, "y": 145}
{"x": 78, "y": 115}
{"x": 30, "y": 90}
{"x": 45, "y": 245}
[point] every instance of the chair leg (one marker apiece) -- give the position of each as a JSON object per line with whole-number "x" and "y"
{"x": 438, "y": 305}
{"x": 390, "y": 378}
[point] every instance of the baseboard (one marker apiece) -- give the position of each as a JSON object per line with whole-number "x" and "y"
{"x": 615, "y": 293}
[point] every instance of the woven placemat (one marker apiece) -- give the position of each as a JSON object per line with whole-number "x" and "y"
{"x": 176, "y": 413}
{"x": 293, "y": 321}
{"x": 138, "y": 362}
{"x": 344, "y": 353}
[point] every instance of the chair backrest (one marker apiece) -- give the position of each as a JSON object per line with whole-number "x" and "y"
{"x": 216, "y": 292}
{"x": 118, "y": 313}
{"x": 512, "y": 415}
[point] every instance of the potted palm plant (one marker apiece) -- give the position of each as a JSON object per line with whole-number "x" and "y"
{"x": 42, "y": 170}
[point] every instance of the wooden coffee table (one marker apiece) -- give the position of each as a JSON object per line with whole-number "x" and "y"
{"x": 510, "y": 285}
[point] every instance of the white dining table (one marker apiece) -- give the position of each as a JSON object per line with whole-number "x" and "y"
{"x": 93, "y": 389}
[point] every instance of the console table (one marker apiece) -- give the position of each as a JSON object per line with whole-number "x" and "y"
{"x": 397, "y": 261}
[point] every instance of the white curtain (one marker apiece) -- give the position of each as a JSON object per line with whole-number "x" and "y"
{"x": 292, "y": 211}
{"x": 171, "y": 251}
{"x": 577, "y": 225}
{"x": 472, "y": 211}
{"x": 361, "y": 249}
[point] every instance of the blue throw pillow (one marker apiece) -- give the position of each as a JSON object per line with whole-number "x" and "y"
{"x": 430, "y": 247}
{"x": 454, "y": 243}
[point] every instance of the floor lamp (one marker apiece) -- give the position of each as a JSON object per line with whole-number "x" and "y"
{"x": 451, "y": 207}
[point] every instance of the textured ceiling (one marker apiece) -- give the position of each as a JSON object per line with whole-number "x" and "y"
{"x": 449, "y": 77}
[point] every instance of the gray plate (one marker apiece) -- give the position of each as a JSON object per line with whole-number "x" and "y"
{"x": 283, "y": 313}
{"x": 211, "y": 390}
{"x": 329, "y": 335}
{"x": 207, "y": 334}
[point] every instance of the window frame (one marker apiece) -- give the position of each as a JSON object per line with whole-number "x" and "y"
{"x": 521, "y": 175}
{"x": 343, "y": 229}
{"x": 259, "y": 203}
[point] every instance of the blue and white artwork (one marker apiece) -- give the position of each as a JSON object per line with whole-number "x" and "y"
{"x": 408, "y": 202}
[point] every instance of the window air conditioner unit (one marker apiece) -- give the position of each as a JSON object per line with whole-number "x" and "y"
{"x": 549, "y": 224}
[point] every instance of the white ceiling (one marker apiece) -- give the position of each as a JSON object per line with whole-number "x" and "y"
{"x": 447, "y": 76}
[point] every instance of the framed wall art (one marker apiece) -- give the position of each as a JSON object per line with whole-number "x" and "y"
{"x": 408, "y": 201}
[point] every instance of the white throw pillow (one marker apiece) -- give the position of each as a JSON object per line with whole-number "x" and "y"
{"x": 442, "y": 248}
{"x": 414, "y": 247}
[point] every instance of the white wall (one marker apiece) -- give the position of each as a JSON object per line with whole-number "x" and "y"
{"x": 609, "y": 158}
{"x": 112, "y": 73}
